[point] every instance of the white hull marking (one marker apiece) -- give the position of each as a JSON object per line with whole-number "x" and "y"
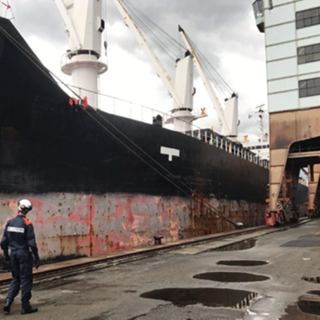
{"x": 170, "y": 152}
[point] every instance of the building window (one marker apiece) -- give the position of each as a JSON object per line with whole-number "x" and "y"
{"x": 309, "y": 54}
{"x": 309, "y": 88}
{"x": 307, "y": 18}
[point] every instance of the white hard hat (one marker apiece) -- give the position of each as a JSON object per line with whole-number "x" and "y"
{"x": 24, "y": 206}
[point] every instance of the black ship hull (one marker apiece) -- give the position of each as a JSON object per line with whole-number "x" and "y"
{"x": 51, "y": 150}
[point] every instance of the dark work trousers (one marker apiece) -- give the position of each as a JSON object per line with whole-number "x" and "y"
{"x": 21, "y": 264}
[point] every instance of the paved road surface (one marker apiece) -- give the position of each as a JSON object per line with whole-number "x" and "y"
{"x": 114, "y": 293}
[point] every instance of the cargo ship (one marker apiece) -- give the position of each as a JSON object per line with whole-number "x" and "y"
{"x": 101, "y": 183}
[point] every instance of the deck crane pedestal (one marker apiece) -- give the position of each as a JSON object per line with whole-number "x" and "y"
{"x": 83, "y": 58}
{"x": 182, "y": 118}
{"x": 228, "y": 115}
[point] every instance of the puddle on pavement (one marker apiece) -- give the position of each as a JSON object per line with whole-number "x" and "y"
{"x": 243, "y": 245}
{"x": 311, "y": 279}
{"x": 314, "y": 292}
{"x": 310, "y": 307}
{"x": 209, "y": 297}
{"x": 242, "y": 263}
{"x": 307, "y": 308}
{"x": 231, "y": 277}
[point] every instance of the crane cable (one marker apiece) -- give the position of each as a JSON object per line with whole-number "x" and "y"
{"x": 153, "y": 37}
{"x": 47, "y": 73}
{"x": 147, "y": 24}
{"x": 156, "y": 34}
{"x": 210, "y": 69}
{"x": 160, "y": 30}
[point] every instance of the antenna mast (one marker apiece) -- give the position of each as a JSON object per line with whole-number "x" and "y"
{"x": 261, "y": 119}
{"x": 6, "y": 10}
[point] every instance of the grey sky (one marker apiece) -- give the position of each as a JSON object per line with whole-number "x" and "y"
{"x": 224, "y": 30}
{"x": 216, "y": 26}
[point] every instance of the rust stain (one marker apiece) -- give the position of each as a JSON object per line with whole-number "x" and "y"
{"x": 90, "y": 225}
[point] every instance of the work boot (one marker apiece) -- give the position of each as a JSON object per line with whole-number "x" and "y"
{"x": 7, "y": 307}
{"x": 29, "y": 310}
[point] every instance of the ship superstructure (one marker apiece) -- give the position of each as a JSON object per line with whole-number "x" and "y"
{"x": 262, "y": 149}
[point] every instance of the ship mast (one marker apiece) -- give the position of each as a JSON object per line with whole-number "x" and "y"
{"x": 6, "y": 10}
{"x": 83, "y": 61}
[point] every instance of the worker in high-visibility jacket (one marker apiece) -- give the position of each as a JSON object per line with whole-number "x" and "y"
{"x": 19, "y": 237}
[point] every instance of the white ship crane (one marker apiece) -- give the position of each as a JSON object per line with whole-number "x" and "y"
{"x": 83, "y": 60}
{"x": 180, "y": 89}
{"x": 228, "y": 115}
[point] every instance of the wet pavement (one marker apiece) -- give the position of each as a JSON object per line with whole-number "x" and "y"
{"x": 173, "y": 286}
{"x": 312, "y": 279}
{"x": 242, "y": 263}
{"x": 243, "y": 245}
{"x": 208, "y": 297}
{"x": 231, "y": 277}
{"x": 306, "y": 308}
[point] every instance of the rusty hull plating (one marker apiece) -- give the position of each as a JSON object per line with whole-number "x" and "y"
{"x": 77, "y": 224}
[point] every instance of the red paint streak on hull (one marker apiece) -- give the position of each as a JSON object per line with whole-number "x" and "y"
{"x": 97, "y": 224}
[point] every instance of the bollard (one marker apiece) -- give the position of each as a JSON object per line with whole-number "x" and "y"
{"x": 157, "y": 239}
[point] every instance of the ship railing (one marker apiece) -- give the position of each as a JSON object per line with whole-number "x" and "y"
{"x": 138, "y": 112}
{"x": 233, "y": 148}
{"x": 120, "y": 107}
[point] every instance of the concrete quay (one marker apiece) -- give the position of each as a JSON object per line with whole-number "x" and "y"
{"x": 275, "y": 277}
